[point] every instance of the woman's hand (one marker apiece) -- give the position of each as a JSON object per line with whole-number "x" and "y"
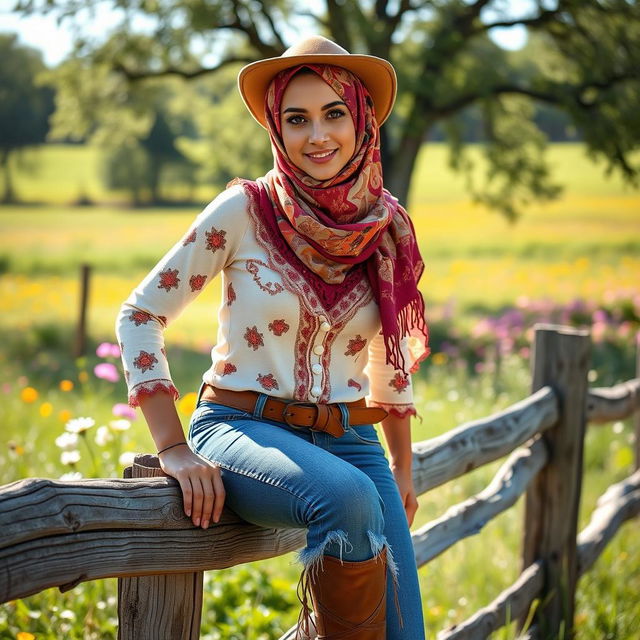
{"x": 202, "y": 489}
{"x": 404, "y": 480}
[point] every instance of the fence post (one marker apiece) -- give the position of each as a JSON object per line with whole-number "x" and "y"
{"x": 158, "y": 607}
{"x": 81, "y": 332}
{"x": 561, "y": 359}
{"x": 636, "y": 416}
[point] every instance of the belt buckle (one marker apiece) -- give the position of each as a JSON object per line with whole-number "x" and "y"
{"x": 297, "y": 403}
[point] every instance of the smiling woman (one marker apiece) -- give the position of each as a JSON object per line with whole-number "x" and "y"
{"x": 319, "y": 137}
{"x": 320, "y": 327}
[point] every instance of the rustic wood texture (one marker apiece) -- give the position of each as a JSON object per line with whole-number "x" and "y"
{"x": 160, "y": 606}
{"x": 637, "y": 414}
{"x": 619, "y": 503}
{"x": 469, "y": 517}
{"x": 59, "y": 533}
{"x": 561, "y": 358}
{"x": 605, "y": 404}
{"x": 512, "y": 603}
{"x": 474, "y": 444}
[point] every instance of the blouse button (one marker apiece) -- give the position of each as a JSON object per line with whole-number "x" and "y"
{"x": 325, "y": 326}
{"x": 315, "y": 391}
{"x": 318, "y": 349}
{"x": 316, "y": 368}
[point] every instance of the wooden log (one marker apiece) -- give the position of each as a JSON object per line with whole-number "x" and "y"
{"x": 40, "y": 507}
{"x": 476, "y": 443}
{"x": 168, "y": 605}
{"x": 512, "y": 603}
{"x": 605, "y": 404}
{"x": 59, "y": 533}
{"x": 619, "y": 503}
{"x": 469, "y": 517}
{"x": 561, "y": 358}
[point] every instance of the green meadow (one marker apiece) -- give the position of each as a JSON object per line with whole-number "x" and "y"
{"x": 583, "y": 247}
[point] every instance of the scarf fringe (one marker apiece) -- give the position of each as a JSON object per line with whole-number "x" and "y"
{"x": 411, "y": 321}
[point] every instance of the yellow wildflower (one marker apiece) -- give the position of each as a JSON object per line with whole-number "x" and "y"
{"x": 46, "y": 409}
{"x": 439, "y": 358}
{"x": 64, "y": 416}
{"x": 28, "y": 395}
{"x": 187, "y": 404}
{"x": 25, "y": 635}
{"x": 66, "y": 385}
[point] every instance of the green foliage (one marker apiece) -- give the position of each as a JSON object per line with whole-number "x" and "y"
{"x": 25, "y": 105}
{"x": 582, "y": 61}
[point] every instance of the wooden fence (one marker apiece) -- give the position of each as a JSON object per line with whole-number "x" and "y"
{"x": 57, "y": 533}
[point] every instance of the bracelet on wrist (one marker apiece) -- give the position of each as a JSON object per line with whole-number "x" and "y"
{"x": 177, "y": 444}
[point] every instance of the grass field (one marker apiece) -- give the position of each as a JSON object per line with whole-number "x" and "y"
{"x": 584, "y": 246}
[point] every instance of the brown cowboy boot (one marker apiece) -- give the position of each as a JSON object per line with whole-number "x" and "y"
{"x": 349, "y": 598}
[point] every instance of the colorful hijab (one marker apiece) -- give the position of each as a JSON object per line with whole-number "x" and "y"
{"x": 349, "y": 221}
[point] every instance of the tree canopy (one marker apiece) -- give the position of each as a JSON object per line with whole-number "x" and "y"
{"x": 25, "y": 106}
{"x": 583, "y": 58}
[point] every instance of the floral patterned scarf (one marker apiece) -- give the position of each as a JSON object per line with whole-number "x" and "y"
{"x": 350, "y": 219}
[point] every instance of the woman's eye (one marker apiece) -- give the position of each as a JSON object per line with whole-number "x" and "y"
{"x": 335, "y": 113}
{"x": 295, "y": 120}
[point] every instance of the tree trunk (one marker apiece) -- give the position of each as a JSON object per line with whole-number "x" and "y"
{"x": 9, "y": 195}
{"x": 401, "y": 162}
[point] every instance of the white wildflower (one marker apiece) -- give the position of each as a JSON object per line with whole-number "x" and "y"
{"x": 103, "y": 435}
{"x": 126, "y": 458}
{"x": 70, "y": 457}
{"x": 67, "y": 441}
{"x": 78, "y": 425}
{"x": 67, "y": 614}
{"x": 120, "y": 425}
{"x": 72, "y": 475}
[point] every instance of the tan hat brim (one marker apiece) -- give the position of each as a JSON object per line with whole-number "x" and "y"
{"x": 376, "y": 73}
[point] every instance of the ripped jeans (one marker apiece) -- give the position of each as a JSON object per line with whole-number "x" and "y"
{"x": 340, "y": 489}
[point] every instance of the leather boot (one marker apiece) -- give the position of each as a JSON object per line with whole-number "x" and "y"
{"x": 349, "y": 599}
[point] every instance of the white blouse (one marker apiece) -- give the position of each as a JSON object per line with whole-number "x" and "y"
{"x": 275, "y": 335}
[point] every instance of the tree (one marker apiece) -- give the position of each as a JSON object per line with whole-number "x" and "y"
{"x": 25, "y": 106}
{"x": 588, "y": 66}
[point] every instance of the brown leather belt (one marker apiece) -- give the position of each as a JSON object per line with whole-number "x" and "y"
{"x": 319, "y": 417}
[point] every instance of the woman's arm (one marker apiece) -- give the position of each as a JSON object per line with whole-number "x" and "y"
{"x": 397, "y": 434}
{"x": 200, "y": 481}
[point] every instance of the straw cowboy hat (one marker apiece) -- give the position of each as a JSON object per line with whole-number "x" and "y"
{"x": 377, "y": 74}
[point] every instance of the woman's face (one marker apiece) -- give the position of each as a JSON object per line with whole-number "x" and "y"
{"x": 317, "y": 130}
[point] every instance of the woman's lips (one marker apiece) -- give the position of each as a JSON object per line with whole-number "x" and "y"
{"x": 322, "y": 157}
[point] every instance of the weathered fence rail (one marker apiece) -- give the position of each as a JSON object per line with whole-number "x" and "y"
{"x": 57, "y": 533}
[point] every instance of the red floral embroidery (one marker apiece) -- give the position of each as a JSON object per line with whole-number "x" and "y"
{"x": 355, "y": 345}
{"x": 399, "y": 382}
{"x": 215, "y": 239}
{"x": 169, "y": 279}
{"x": 253, "y": 338}
{"x": 352, "y": 383}
{"x": 229, "y": 369}
{"x": 231, "y": 294}
{"x": 190, "y": 238}
{"x": 197, "y": 282}
{"x": 139, "y": 317}
{"x": 267, "y": 382}
{"x": 163, "y": 319}
{"x": 278, "y": 327}
{"x": 145, "y": 361}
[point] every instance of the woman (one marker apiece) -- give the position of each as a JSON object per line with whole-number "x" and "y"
{"x": 320, "y": 309}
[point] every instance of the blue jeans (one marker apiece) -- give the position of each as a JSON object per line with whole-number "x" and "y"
{"x": 340, "y": 489}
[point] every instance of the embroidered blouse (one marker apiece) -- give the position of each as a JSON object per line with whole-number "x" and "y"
{"x": 275, "y": 334}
